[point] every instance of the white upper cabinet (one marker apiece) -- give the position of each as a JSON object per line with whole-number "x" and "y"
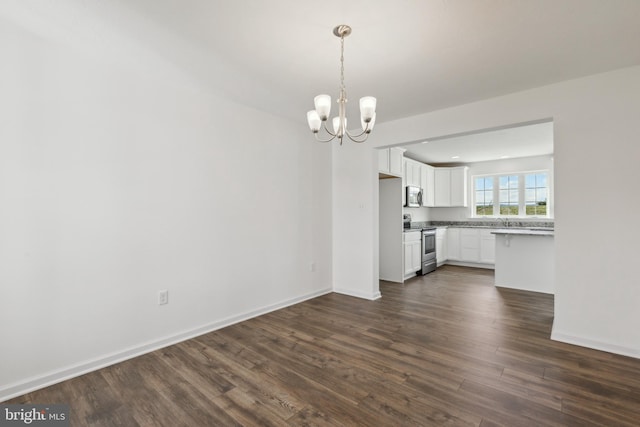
{"x": 395, "y": 161}
{"x": 412, "y": 172}
{"x": 442, "y": 187}
{"x": 459, "y": 186}
{"x": 390, "y": 161}
{"x": 383, "y": 161}
{"x": 451, "y": 186}
{"x": 427, "y": 176}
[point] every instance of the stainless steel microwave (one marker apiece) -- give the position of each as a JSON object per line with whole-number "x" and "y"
{"x": 414, "y": 197}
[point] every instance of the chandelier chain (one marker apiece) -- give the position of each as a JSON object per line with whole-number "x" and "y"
{"x": 343, "y": 91}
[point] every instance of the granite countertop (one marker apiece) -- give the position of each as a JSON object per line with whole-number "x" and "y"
{"x": 524, "y": 231}
{"x": 519, "y": 224}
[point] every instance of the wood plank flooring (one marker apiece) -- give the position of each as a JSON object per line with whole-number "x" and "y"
{"x": 445, "y": 349}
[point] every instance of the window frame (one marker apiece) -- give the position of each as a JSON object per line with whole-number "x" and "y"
{"x": 521, "y": 194}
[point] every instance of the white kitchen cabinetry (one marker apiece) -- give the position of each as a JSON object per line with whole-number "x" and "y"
{"x": 427, "y": 178}
{"x": 487, "y": 246}
{"x": 453, "y": 244}
{"x": 470, "y": 244}
{"x": 473, "y": 246}
{"x": 442, "y": 186}
{"x": 412, "y": 172}
{"x": 459, "y": 186}
{"x": 412, "y": 252}
{"x": 390, "y": 161}
{"x": 450, "y": 186}
{"x": 441, "y": 245}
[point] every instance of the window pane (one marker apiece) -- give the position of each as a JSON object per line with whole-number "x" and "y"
{"x": 530, "y": 181}
{"x": 504, "y": 182}
{"x": 530, "y": 195}
{"x": 479, "y": 183}
{"x": 541, "y": 195}
{"x": 541, "y": 180}
{"x": 536, "y": 194}
{"x": 488, "y": 183}
{"x": 513, "y": 181}
{"x": 488, "y": 197}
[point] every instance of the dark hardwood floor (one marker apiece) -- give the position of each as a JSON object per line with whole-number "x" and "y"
{"x": 445, "y": 349}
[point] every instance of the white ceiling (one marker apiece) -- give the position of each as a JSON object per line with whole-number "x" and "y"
{"x": 415, "y": 56}
{"x": 522, "y": 141}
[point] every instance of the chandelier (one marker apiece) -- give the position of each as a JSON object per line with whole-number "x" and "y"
{"x": 318, "y": 118}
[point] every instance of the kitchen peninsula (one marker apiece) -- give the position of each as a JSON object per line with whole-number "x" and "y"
{"x": 524, "y": 259}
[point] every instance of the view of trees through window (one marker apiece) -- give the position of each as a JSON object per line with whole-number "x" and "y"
{"x": 523, "y": 194}
{"x": 536, "y": 194}
{"x": 508, "y": 195}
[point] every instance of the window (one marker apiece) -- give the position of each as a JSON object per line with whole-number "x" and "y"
{"x": 508, "y": 195}
{"x": 484, "y": 196}
{"x": 536, "y": 194}
{"x": 517, "y": 194}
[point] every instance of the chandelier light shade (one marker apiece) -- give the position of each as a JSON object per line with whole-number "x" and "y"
{"x": 317, "y": 118}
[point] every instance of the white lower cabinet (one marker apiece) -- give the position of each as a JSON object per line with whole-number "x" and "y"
{"x": 453, "y": 244}
{"x": 471, "y": 245}
{"x": 441, "y": 245}
{"x": 487, "y": 246}
{"x": 412, "y": 252}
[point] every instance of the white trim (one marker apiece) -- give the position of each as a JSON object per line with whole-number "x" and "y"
{"x": 595, "y": 344}
{"x": 37, "y": 382}
{"x": 470, "y": 264}
{"x": 373, "y": 296}
{"x": 521, "y": 194}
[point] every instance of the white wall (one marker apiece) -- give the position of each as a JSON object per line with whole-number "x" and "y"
{"x": 418, "y": 214}
{"x": 123, "y": 175}
{"x": 355, "y": 220}
{"x": 596, "y": 130}
{"x": 522, "y": 164}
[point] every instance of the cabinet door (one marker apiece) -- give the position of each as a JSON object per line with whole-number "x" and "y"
{"x": 404, "y": 182}
{"x": 412, "y": 257}
{"x": 453, "y": 244}
{"x": 427, "y": 184}
{"x": 470, "y": 244}
{"x": 383, "y": 161}
{"x": 416, "y": 253}
{"x": 412, "y": 173}
{"x": 395, "y": 161}
{"x": 408, "y": 259}
{"x": 415, "y": 174}
{"x": 487, "y": 247}
{"x": 442, "y": 186}
{"x": 459, "y": 186}
{"x": 441, "y": 245}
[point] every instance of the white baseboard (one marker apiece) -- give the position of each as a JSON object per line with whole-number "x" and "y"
{"x": 34, "y": 383}
{"x": 470, "y": 264}
{"x": 358, "y": 294}
{"x": 595, "y": 344}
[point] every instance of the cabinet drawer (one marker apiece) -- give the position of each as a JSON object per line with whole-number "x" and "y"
{"x": 412, "y": 236}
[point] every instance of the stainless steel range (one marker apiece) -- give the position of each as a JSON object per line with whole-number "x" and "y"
{"x": 429, "y": 262}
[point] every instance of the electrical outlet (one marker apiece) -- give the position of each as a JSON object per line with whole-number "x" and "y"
{"x": 312, "y": 267}
{"x": 163, "y": 297}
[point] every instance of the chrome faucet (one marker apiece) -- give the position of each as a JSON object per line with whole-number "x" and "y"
{"x": 505, "y": 222}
